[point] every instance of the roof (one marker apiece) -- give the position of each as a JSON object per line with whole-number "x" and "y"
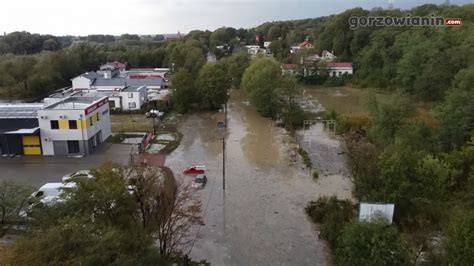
{"x": 116, "y": 64}
{"x": 15, "y": 111}
{"x": 90, "y": 75}
{"x": 73, "y": 103}
{"x": 22, "y": 131}
{"x": 340, "y": 64}
{"x": 289, "y": 66}
{"x": 132, "y": 88}
{"x": 304, "y": 44}
{"x": 124, "y": 82}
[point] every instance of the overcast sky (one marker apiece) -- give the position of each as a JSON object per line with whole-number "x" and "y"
{"x": 83, "y": 17}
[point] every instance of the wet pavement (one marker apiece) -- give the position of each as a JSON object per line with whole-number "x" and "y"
{"x": 265, "y": 196}
{"x": 38, "y": 170}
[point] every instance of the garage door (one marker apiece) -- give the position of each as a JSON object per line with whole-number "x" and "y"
{"x": 31, "y": 145}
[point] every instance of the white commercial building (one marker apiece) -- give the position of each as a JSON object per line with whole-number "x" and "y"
{"x": 74, "y": 125}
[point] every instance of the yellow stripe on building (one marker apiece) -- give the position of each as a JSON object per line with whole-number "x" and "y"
{"x": 63, "y": 124}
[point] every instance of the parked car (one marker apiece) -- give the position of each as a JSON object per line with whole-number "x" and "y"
{"x": 199, "y": 181}
{"x": 154, "y": 113}
{"x": 194, "y": 170}
{"x": 49, "y": 193}
{"x": 78, "y": 174}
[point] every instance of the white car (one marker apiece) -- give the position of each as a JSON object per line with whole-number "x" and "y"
{"x": 78, "y": 174}
{"x": 154, "y": 113}
{"x": 49, "y": 193}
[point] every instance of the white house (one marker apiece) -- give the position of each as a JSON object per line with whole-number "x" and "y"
{"x": 84, "y": 81}
{"x": 339, "y": 68}
{"x": 74, "y": 125}
{"x": 328, "y": 56}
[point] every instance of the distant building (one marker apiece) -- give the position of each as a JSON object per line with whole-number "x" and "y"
{"x": 339, "y": 68}
{"x": 304, "y": 45}
{"x": 255, "y": 50}
{"x": 114, "y": 65}
{"x": 292, "y": 69}
{"x": 328, "y": 56}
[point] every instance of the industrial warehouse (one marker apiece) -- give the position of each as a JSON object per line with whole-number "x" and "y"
{"x": 70, "y": 126}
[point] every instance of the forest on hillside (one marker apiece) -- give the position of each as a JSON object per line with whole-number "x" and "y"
{"x": 422, "y": 61}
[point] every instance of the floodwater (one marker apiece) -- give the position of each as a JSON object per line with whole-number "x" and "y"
{"x": 342, "y": 99}
{"x": 262, "y": 221}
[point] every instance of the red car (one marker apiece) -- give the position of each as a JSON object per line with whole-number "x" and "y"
{"x": 195, "y": 170}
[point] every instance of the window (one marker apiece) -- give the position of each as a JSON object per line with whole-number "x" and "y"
{"x": 132, "y": 105}
{"x": 54, "y": 124}
{"x": 72, "y": 124}
{"x": 130, "y": 95}
{"x": 90, "y": 121}
{"x": 106, "y": 111}
{"x": 112, "y": 104}
{"x": 340, "y": 73}
{"x": 98, "y": 118}
{"x": 73, "y": 146}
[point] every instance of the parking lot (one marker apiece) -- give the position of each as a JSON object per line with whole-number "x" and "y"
{"x": 38, "y": 170}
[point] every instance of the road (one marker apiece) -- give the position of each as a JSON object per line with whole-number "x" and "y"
{"x": 265, "y": 196}
{"x": 38, "y": 170}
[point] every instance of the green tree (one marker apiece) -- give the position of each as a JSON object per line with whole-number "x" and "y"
{"x": 376, "y": 243}
{"x": 261, "y": 80}
{"x": 459, "y": 242}
{"x": 456, "y": 117}
{"x": 184, "y": 91}
{"x": 289, "y": 91}
{"x": 13, "y": 200}
{"x": 213, "y": 84}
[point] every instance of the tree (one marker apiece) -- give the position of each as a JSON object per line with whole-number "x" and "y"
{"x": 213, "y": 84}
{"x": 376, "y": 243}
{"x": 261, "y": 80}
{"x": 289, "y": 92}
{"x": 101, "y": 221}
{"x": 168, "y": 209}
{"x": 456, "y": 113}
{"x": 184, "y": 91}
{"x": 459, "y": 242}
{"x": 389, "y": 118}
{"x": 236, "y": 65}
{"x": 13, "y": 200}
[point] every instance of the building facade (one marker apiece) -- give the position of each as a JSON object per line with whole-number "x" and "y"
{"x": 74, "y": 125}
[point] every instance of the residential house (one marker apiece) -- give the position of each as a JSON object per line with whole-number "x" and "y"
{"x": 291, "y": 69}
{"x": 304, "y": 45}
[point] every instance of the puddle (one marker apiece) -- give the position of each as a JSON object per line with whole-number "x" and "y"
{"x": 165, "y": 137}
{"x": 155, "y": 148}
{"x": 132, "y": 140}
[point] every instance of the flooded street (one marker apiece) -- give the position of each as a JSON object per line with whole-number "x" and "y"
{"x": 265, "y": 196}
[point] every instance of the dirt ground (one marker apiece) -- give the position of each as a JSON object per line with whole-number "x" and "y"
{"x": 262, "y": 221}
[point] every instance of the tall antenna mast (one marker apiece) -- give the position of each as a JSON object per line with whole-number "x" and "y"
{"x": 390, "y": 4}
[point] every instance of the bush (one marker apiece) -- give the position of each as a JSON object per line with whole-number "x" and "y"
{"x": 306, "y": 159}
{"x": 315, "y": 175}
{"x": 332, "y": 214}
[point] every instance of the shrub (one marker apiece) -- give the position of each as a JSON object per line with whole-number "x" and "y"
{"x": 315, "y": 175}
{"x": 332, "y": 214}
{"x": 306, "y": 159}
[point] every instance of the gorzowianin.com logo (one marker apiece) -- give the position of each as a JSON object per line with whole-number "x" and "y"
{"x": 408, "y": 20}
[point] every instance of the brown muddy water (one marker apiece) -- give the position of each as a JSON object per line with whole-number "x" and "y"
{"x": 342, "y": 99}
{"x": 263, "y": 220}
